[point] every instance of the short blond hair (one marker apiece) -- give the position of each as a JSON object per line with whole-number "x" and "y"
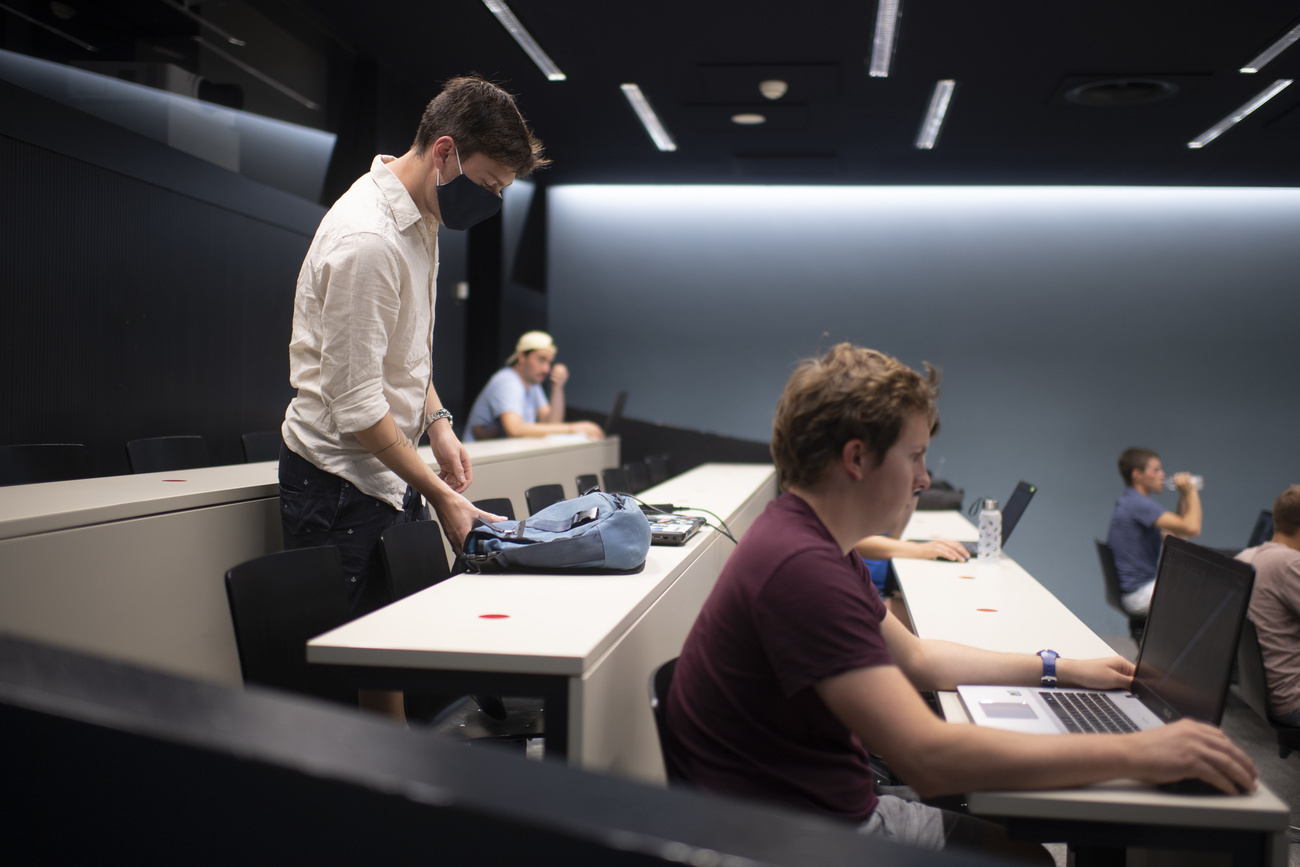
{"x": 849, "y": 393}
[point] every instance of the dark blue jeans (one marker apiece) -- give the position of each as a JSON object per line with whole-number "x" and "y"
{"x": 319, "y": 508}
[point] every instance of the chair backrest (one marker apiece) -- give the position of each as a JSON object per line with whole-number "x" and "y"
{"x": 1263, "y": 529}
{"x": 614, "y": 481}
{"x": 1250, "y": 670}
{"x": 656, "y": 468}
{"x": 164, "y": 454}
{"x": 636, "y": 476}
{"x": 414, "y": 557}
{"x": 262, "y": 445}
{"x": 497, "y": 506}
{"x": 661, "y": 680}
{"x": 538, "y": 497}
{"x": 586, "y": 482}
{"x": 41, "y": 462}
{"x": 277, "y": 603}
{"x": 1109, "y": 574}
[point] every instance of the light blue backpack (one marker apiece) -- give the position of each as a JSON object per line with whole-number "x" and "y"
{"x": 596, "y": 532}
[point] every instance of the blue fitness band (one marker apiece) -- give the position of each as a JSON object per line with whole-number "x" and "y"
{"x": 1049, "y": 658}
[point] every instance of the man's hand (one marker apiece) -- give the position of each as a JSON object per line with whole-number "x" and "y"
{"x": 590, "y": 430}
{"x": 453, "y": 461}
{"x": 1190, "y": 749}
{"x": 559, "y": 375}
{"x": 456, "y": 515}
{"x": 1112, "y": 672}
{"x": 945, "y": 549}
{"x": 1183, "y": 482}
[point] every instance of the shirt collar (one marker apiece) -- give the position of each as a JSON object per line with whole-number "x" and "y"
{"x": 404, "y": 210}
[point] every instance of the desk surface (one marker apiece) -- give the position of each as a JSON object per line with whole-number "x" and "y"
{"x": 553, "y": 624}
{"x": 42, "y": 508}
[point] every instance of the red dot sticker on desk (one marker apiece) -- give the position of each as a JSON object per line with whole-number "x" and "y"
{"x": 175, "y": 480}
{"x": 494, "y": 616}
{"x": 993, "y": 610}
{"x": 967, "y": 577}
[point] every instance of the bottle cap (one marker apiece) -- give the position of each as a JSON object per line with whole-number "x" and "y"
{"x": 990, "y": 506}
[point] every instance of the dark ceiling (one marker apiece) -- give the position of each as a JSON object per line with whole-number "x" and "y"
{"x": 700, "y": 62}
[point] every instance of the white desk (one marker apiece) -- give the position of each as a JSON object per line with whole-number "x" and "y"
{"x": 1001, "y": 607}
{"x": 586, "y": 644}
{"x": 130, "y": 567}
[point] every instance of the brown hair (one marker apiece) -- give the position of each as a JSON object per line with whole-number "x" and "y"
{"x": 1132, "y": 460}
{"x": 849, "y": 393}
{"x": 1286, "y": 511}
{"x": 481, "y": 117}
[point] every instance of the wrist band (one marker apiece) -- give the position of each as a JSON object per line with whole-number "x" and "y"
{"x": 1049, "y": 658}
{"x": 430, "y": 418}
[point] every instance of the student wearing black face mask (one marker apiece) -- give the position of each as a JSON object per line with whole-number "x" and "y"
{"x": 361, "y": 351}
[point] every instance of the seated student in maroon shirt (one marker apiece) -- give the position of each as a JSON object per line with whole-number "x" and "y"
{"x": 794, "y": 670}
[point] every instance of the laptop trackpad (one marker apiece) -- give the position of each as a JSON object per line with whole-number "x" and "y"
{"x": 1007, "y": 710}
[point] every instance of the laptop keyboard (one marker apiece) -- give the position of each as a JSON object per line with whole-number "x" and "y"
{"x": 1088, "y": 712}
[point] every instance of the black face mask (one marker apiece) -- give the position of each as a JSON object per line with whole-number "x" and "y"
{"x": 463, "y": 203}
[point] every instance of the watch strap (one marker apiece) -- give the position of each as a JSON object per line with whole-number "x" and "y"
{"x": 1049, "y": 658}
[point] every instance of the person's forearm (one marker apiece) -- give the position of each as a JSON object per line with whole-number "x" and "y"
{"x": 885, "y": 548}
{"x": 556, "y": 415}
{"x": 395, "y": 451}
{"x": 1189, "y": 509}
{"x": 939, "y": 664}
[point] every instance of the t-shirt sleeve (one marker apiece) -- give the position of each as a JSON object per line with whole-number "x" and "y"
{"x": 1146, "y": 511}
{"x": 506, "y": 395}
{"x": 819, "y": 616}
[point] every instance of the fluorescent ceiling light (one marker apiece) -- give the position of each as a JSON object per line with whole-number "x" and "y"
{"x": 649, "y": 119}
{"x": 525, "y": 39}
{"x": 882, "y": 47}
{"x": 1237, "y": 116}
{"x": 1257, "y": 63}
{"x": 203, "y": 22}
{"x": 30, "y": 20}
{"x": 257, "y": 73}
{"x": 746, "y": 118}
{"x": 929, "y": 132}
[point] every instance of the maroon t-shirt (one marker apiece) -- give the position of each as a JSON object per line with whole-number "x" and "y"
{"x": 789, "y": 610}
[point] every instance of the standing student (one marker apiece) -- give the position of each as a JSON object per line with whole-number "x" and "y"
{"x": 361, "y": 354}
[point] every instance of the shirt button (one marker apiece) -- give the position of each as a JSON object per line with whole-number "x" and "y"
{"x": 350, "y": 533}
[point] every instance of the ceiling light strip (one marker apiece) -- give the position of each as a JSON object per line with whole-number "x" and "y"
{"x": 525, "y": 39}
{"x": 1237, "y": 116}
{"x": 929, "y": 132}
{"x": 41, "y": 24}
{"x": 882, "y": 46}
{"x": 257, "y": 73}
{"x": 1257, "y": 63}
{"x": 649, "y": 119}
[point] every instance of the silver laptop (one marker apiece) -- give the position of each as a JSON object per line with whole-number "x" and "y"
{"x": 1183, "y": 668}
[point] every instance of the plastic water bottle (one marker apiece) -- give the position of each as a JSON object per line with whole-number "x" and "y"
{"x": 1198, "y": 482}
{"x": 990, "y": 546}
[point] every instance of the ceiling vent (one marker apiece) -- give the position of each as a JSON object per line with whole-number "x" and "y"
{"x": 1121, "y": 91}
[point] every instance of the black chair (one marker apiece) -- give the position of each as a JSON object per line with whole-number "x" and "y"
{"x": 262, "y": 445}
{"x": 497, "y": 506}
{"x": 586, "y": 482}
{"x": 279, "y": 602}
{"x": 656, "y": 468}
{"x": 164, "y": 454}
{"x": 414, "y": 557}
{"x": 614, "y": 481}
{"x": 635, "y": 473}
{"x": 1137, "y": 624}
{"x": 1254, "y": 688}
{"x": 661, "y": 680}
{"x": 42, "y": 462}
{"x": 538, "y": 497}
{"x": 1263, "y": 529}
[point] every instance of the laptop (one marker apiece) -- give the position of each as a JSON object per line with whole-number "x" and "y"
{"x": 1011, "y": 513}
{"x": 615, "y": 413}
{"x": 672, "y": 529}
{"x": 1183, "y": 668}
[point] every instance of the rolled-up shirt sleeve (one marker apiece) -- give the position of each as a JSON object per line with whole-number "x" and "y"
{"x": 362, "y": 281}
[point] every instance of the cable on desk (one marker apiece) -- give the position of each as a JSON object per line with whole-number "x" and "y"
{"x": 721, "y": 526}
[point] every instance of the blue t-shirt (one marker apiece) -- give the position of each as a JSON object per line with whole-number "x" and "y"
{"x": 505, "y": 392}
{"x": 1135, "y": 539}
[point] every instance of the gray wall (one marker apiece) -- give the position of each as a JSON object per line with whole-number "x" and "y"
{"x": 1069, "y": 323}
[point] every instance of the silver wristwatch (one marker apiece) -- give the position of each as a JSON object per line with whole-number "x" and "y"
{"x": 431, "y": 417}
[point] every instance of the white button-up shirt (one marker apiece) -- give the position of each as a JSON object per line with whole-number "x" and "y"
{"x": 362, "y": 341}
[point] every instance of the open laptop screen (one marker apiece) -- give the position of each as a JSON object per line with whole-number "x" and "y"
{"x": 1192, "y": 630}
{"x": 1020, "y": 498}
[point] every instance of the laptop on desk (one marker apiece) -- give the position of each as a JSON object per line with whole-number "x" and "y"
{"x": 1011, "y": 513}
{"x": 1183, "y": 668}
